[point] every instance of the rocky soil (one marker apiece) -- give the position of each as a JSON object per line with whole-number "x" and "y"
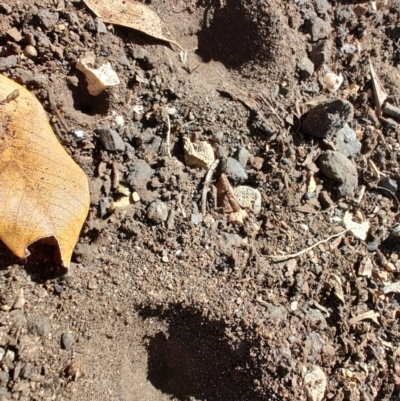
{"x": 274, "y": 276}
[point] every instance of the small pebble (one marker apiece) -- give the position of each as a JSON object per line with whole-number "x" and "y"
{"x": 372, "y": 246}
{"x": 67, "y": 339}
{"x": 157, "y": 212}
{"x": 30, "y": 51}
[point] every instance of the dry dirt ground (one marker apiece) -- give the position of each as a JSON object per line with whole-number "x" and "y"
{"x": 193, "y": 307}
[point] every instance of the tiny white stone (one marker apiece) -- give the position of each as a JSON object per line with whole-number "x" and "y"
{"x": 119, "y": 120}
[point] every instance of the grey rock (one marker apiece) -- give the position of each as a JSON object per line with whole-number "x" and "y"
{"x": 325, "y": 200}
{"x": 235, "y": 171}
{"x": 67, "y": 339}
{"x": 104, "y": 205}
{"x": 372, "y": 246}
{"x": 40, "y": 326}
{"x": 315, "y": 318}
{"x": 138, "y": 53}
{"x": 277, "y": 313}
{"x": 344, "y": 14}
{"x": 196, "y": 218}
{"x": 140, "y": 175}
{"x": 154, "y": 146}
{"x": 305, "y": 67}
{"x": 157, "y": 212}
{"x": 47, "y": 18}
{"x": 321, "y": 7}
{"x": 123, "y": 60}
{"x": 72, "y": 18}
{"x": 327, "y": 118}
{"x": 110, "y": 139}
{"x": 315, "y": 343}
{"x": 321, "y": 53}
{"x": 30, "y": 79}
{"x": 339, "y": 168}
{"x": 227, "y": 242}
{"x": 318, "y": 28}
{"x": 389, "y": 185}
{"x": 243, "y": 156}
{"x": 100, "y": 26}
{"x": 8, "y": 62}
{"x": 346, "y": 142}
{"x": 90, "y": 25}
{"x": 27, "y": 371}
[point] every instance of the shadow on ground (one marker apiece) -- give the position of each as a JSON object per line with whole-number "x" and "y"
{"x": 196, "y": 359}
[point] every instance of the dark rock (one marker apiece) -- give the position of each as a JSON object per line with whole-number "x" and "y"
{"x": 235, "y": 171}
{"x": 339, "y": 168}
{"x": 305, "y": 67}
{"x": 318, "y": 28}
{"x": 392, "y": 242}
{"x": 321, "y": 53}
{"x": 40, "y": 326}
{"x": 346, "y": 141}
{"x": 30, "y": 79}
{"x": 140, "y": 175}
{"x": 372, "y": 246}
{"x": 67, "y": 339}
{"x": 327, "y": 118}
{"x": 243, "y": 156}
{"x": 110, "y": 139}
{"x": 47, "y": 18}
{"x": 8, "y": 62}
{"x": 389, "y": 185}
{"x": 157, "y": 212}
{"x": 100, "y": 26}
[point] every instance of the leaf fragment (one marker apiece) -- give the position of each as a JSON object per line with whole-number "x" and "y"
{"x": 131, "y": 14}
{"x": 380, "y": 94}
{"x": 43, "y": 192}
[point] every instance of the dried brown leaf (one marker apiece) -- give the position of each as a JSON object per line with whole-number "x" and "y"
{"x": 131, "y": 14}
{"x": 43, "y": 192}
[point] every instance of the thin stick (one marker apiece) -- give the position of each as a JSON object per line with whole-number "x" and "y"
{"x": 180, "y": 205}
{"x": 294, "y": 255}
{"x": 206, "y": 186}
{"x": 50, "y": 96}
{"x": 169, "y": 136}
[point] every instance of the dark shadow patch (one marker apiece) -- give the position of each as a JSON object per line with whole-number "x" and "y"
{"x": 196, "y": 359}
{"x": 43, "y": 264}
{"x": 231, "y": 34}
{"x": 86, "y": 103}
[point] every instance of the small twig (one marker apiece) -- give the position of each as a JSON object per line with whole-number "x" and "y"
{"x": 206, "y": 186}
{"x": 294, "y": 255}
{"x": 169, "y": 136}
{"x": 391, "y": 193}
{"x": 50, "y": 96}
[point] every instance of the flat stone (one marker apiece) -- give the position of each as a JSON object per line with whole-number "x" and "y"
{"x": 327, "y": 118}
{"x": 196, "y": 218}
{"x": 140, "y": 175}
{"x": 100, "y": 26}
{"x": 346, "y": 142}
{"x": 243, "y": 156}
{"x": 305, "y": 67}
{"x": 372, "y": 246}
{"x": 157, "y": 212}
{"x": 235, "y": 171}
{"x": 339, "y": 168}
{"x": 8, "y": 62}
{"x": 47, "y": 18}
{"x": 40, "y": 326}
{"x": 110, "y": 139}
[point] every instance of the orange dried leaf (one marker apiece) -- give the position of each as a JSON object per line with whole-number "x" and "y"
{"x": 43, "y": 192}
{"x": 131, "y": 14}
